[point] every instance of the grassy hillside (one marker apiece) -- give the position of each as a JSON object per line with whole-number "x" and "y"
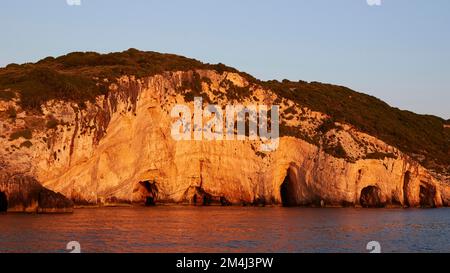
{"x": 78, "y": 77}
{"x": 417, "y": 135}
{"x": 75, "y": 76}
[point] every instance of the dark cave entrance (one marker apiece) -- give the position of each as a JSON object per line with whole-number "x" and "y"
{"x": 427, "y": 194}
{"x": 150, "y": 190}
{"x": 371, "y": 197}
{"x": 149, "y": 201}
{"x": 287, "y": 192}
{"x": 3, "y": 202}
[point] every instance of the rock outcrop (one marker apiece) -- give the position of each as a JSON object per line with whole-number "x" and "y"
{"x": 20, "y": 193}
{"x": 119, "y": 149}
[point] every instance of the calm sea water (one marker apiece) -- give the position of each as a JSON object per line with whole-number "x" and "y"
{"x": 228, "y": 229}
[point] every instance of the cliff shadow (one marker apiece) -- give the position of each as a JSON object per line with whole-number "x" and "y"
{"x": 3, "y": 202}
{"x": 406, "y": 185}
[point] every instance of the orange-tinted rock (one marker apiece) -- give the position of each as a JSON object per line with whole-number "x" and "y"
{"x": 102, "y": 153}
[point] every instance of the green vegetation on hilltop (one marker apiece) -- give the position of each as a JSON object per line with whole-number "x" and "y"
{"x": 79, "y": 77}
{"x": 36, "y": 85}
{"x": 411, "y": 133}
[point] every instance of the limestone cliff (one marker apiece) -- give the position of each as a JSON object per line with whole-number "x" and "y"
{"x": 118, "y": 148}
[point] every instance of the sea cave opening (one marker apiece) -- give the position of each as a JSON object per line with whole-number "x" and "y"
{"x": 149, "y": 201}
{"x": 150, "y": 192}
{"x": 3, "y": 202}
{"x": 371, "y": 197}
{"x": 427, "y": 194}
{"x": 287, "y": 192}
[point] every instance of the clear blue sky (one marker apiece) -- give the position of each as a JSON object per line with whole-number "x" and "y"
{"x": 399, "y": 51}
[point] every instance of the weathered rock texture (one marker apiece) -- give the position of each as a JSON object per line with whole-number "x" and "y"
{"x": 120, "y": 150}
{"x": 20, "y": 193}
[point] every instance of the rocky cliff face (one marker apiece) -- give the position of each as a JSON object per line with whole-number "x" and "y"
{"x": 119, "y": 149}
{"x": 21, "y": 193}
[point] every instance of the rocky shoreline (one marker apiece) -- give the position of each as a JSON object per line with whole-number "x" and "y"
{"x": 25, "y": 194}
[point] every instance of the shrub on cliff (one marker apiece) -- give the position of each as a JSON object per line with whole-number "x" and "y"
{"x": 72, "y": 76}
{"x": 11, "y": 112}
{"x": 6, "y": 95}
{"x": 26, "y": 133}
{"x": 52, "y": 123}
{"x": 26, "y": 144}
{"x": 37, "y": 85}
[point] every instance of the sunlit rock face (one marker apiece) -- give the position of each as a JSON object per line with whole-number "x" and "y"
{"x": 120, "y": 150}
